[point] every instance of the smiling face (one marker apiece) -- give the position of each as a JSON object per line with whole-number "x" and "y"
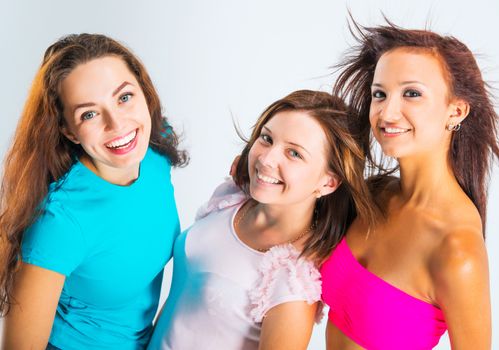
{"x": 287, "y": 163}
{"x": 105, "y": 111}
{"x": 410, "y": 104}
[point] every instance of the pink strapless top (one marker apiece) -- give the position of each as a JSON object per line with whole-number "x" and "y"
{"x": 372, "y": 312}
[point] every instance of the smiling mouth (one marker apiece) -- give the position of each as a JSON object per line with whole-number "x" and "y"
{"x": 122, "y": 142}
{"x": 394, "y": 131}
{"x": 268, "y": 179}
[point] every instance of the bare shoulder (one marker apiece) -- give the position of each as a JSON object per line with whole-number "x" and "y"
{"x": 460, "y": 275}
{"x": 460, "y": 256}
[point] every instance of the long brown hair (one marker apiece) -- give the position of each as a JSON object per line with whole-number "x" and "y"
{"x": 334, "y": 212}
{"x": 40, "y": 154}
{"x": 476, "y": 143}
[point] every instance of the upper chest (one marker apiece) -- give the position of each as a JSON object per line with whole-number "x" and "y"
{"x": 399, "y": 250}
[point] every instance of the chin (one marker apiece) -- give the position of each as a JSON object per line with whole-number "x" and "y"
{"x": 394, "y": 152}
{"x": 391, "y": 154}
{"x": 259, "y": 196}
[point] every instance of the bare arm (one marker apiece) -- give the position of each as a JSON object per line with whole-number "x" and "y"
{"x": 330, "y": 333}
{"x": 462, "y": 290}
{"x": 29, "y": 322}
{"x": 288, "y": 326}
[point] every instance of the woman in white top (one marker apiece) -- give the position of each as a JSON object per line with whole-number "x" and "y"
{"x": 245, "y": 274}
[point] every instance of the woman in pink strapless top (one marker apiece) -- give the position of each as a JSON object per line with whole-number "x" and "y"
{"x": 423, "y": 269}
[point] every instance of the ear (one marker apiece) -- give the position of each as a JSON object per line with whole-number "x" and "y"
{"x": 458, "y": 110}
{"x": 331, "y": 183}
{"x": 69, "y": 134}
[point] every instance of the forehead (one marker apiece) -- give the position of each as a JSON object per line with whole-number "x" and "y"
{"x": 297, "y": 127}
{"x": 411, "y": 64}
{"x": 95, "y": 78}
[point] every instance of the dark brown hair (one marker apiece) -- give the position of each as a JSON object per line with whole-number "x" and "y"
{"x": 334, "y": 212}
{"x": 40, "y": 154}
{"x": 475, "y": 145}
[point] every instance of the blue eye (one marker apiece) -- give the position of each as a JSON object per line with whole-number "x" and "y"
{"x": 412, "y": 93}
{"x": 378, "y": 94}
{"x": 294, "y": 154}
{"x": 125, "y": 98}
{"x": 88, "y": 115}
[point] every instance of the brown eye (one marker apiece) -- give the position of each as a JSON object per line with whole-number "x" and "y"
{"x": 266, "y": 138}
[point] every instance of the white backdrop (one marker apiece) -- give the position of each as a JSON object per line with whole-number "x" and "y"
{"x": 214, "y": 60}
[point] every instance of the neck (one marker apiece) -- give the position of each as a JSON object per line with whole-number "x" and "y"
{"x": 282, "y": 222}
{"x": 425, "y": 178}
{"x": 121, "y": 177}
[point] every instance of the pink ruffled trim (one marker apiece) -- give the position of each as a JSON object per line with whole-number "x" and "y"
{"x": 226, "y": 195}
{"x": 303, "y": 278}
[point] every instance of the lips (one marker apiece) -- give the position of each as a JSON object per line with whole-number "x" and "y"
{"x": 122, "y": 141}
{"x": 123, "y": 144}
{"x": 268, "y": 179}
{"x": 393, "y": 131}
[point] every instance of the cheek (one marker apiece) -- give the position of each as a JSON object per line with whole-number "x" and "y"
{"x": 373, "y": 120}
{"x": 304, "y": 176}
{"x": 141, "y": 113}
{"x": 252, "y": 156}
{"x": 256, "y": 151}
{"x": 433, "y": 118}
{"x": 86, "y": 134}
{"x": 373, "y": 116}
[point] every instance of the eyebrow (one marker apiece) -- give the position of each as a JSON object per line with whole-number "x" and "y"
{"x": 407, "y": 82}
{"x": 82, "y": 105}
{"x": 90, "y": 104}
{"x": 291, "y": 143}
{"x": 119, "y": 88}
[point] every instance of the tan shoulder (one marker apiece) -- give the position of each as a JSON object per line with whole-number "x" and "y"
{"x": 459, "y": 256}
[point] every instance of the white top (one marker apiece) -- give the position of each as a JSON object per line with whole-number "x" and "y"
{"x": 222, "y": 288}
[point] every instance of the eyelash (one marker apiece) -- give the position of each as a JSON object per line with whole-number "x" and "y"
{"x": 411, "y": 93}
{"x": 376, "y": 94}
{"x": 84, "y": 118}
{"x": 268, "y": 140}
{"x": 120, "y": 100}
{"x": 295, "y": 155}
{"x": 129, "y": 94}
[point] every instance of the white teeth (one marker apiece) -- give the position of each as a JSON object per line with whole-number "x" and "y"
{"x": 122, "y": 141}
{"x": 395, "y": 130}
{"x": 267, "y": 179}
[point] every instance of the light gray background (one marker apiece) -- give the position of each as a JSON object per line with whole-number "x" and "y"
{"x": 214, "y": 60}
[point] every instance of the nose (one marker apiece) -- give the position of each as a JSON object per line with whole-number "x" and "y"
{"x": 269, "y": 157}
{"x": 112, "y": 119}
{"x": 389, "y": 110}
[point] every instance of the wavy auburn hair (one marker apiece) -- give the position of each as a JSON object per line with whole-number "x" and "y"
{"x": 40, "y": 154}
{"x": 344, "y": 157}
{"x": 475, "y": 145}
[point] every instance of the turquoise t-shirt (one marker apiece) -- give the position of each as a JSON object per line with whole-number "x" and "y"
{"x": 112, "y": 243}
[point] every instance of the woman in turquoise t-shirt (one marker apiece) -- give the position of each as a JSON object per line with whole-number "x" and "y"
{"x": 88, "y": 216}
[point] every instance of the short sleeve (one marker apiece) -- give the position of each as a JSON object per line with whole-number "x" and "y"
{"x": 54, "y": 241}
{"x": 226, "y": 195}
{"x": 284, "y": 277}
